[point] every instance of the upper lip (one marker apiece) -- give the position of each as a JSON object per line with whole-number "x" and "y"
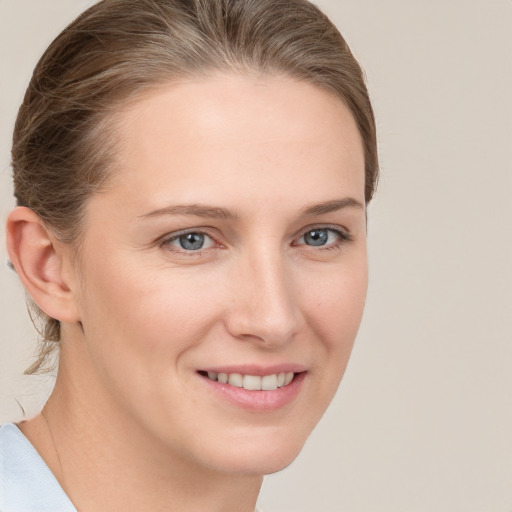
{"x": 259, "y": 370}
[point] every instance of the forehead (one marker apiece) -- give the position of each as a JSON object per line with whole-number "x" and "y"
{"x": 229, "y": 132}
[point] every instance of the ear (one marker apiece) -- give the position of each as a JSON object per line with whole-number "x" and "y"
{"x": 42, "y": 264}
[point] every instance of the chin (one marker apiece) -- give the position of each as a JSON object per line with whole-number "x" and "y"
{"x": 262, "y": 464}
{"x": 257, "y": 454}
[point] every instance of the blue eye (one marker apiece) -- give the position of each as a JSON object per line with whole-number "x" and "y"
{"x": 316, "y": 237}
{"x": 192, "y": 241}
{"x": 323, "y": 236}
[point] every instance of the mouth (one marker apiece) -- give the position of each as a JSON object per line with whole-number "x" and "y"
{"x": 265, "y": 392}
{"x": 252, "y": 382}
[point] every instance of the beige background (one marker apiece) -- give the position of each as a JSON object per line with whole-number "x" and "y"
{"x": 423, "y": 420}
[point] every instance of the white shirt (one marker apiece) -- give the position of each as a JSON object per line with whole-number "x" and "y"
{"x": 26, "y": 482}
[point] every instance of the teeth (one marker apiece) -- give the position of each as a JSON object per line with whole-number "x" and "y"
{"x": 253, "y": 382}
{"x": 236, "y": 379}
{"x": 269, "y": 382}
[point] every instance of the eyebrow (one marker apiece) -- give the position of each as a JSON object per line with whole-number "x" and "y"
{"x": 196, "y": 210}
{"x": 215, "y": 212}
{"x": 332, "y": 206}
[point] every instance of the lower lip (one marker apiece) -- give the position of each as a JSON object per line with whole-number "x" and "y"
{"x": 258, "y": 401}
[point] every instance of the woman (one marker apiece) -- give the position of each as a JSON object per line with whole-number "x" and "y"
{"x": 192, "y": 181}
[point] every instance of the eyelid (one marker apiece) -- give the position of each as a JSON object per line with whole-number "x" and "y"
{"x": 171, "y": 237}
{"x": 344, "y": 235}
{"x": 342, "y": 232}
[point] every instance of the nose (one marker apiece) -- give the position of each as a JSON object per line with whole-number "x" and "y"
{"x": 264, "y": 306}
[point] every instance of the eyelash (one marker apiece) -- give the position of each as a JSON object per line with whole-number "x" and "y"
{"x": 166, "y": 243}
{"x": 342, "y": 235}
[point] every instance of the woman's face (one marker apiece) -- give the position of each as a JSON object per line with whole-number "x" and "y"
{"x": 230, "y": 246}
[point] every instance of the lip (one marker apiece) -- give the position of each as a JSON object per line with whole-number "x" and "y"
{"x": 260, "y": 371}
{"x": 259, "y": 400}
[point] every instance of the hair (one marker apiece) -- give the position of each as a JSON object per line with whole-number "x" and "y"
{"x": 63, "y": 144}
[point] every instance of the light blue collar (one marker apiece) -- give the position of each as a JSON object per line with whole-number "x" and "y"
{"x": 26, "y": 482}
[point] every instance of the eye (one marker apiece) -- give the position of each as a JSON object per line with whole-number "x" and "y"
{"x": 191, "y": 241}
{"x": 319, "y": 237}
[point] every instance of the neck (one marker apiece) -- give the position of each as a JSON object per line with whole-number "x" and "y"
{"x": 99, "y": 457}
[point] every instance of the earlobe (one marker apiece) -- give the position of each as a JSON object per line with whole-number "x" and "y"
{"x": 38, "y": 260}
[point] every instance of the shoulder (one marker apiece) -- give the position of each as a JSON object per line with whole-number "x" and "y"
{"x": 26, "y": 482}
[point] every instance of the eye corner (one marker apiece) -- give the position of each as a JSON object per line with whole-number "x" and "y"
{"x": 198, "y": 242}
{"x": 323, "y": 235}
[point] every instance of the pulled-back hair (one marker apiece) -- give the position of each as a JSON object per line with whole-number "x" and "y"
{"x": 64, "y": 146}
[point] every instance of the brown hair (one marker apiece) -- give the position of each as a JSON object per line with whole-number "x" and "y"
{"x": 63, "y": 146}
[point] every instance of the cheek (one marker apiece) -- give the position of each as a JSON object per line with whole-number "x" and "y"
{"x": 138, "y": 313}
{"x": 335, "y": 314}
{"x": 155, "y": 308}
{"x": 336, "y": 302}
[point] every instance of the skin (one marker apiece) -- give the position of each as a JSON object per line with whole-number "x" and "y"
{"x": 131, "y": 422}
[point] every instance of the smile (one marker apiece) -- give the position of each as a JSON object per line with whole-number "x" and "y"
{"x": 253, "y": 382}
{"x": 254, "y": 388}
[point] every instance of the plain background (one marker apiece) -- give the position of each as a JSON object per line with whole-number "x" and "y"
{"x": 423, "y": 419}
